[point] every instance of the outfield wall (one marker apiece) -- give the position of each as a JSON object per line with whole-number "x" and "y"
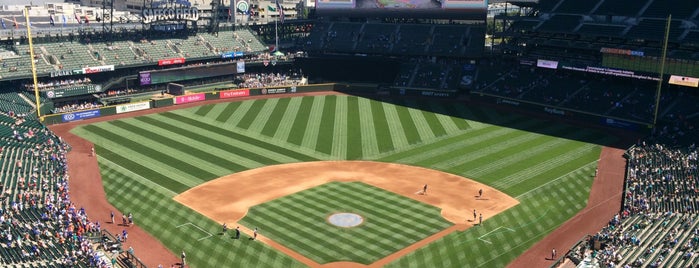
{"x": 563, "y": 112}
{"x": 219, "y": 93}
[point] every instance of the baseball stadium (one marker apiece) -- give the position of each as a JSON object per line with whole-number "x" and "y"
{"x": 349, "y": 133}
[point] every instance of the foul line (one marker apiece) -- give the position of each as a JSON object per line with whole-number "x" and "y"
{"x": 555, "y": 180}
{"x": 195, "y": 226}
{"x": 488, "y": 233}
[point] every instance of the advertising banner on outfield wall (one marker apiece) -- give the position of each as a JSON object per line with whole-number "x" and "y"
{"x": 190, "y": 98}
{"x": 131, "y": 107}
{"x": 548, "y": 64}
{"x": 80, "y": 115}
{"x": 619, "y": 124}
{"x": 684, "y": 81}
{"x": 234, "y": 93}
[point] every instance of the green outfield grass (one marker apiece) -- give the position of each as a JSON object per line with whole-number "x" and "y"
{"x": 391, "y": 222}
{"x": 147, "y": 160}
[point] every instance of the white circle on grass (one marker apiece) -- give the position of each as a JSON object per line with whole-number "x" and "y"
{"x": 345, "y": 220}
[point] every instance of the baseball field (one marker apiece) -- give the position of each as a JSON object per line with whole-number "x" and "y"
{"x": 151, "y": 166}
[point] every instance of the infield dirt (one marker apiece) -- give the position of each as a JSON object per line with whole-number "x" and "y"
{"x": 228, "y": 198}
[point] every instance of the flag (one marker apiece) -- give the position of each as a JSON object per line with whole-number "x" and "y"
{"x": 77, "y": 18}
{"x": 271, "y": 8}
{"x": 229, "y": 13}
{"x": 87, "y": 21}
{"x": 281, "y": 12}
{"x": 51, "y": 20}
{"x": 15, "y": 22}
{"x": 3, "y": 23}
{"x": 64, "y": 20}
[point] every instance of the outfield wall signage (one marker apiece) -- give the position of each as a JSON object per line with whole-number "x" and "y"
{"x": 80, "y": 115}
{"x": 132, "y": 107}
{"x": 98, "y": 69}
{"x": 506, "y": 101}
{"x": 232, "y": 54}
{"x": 272, "y": 91}
{"x": 619, "y": 124}
{"x": 170, "y": 61}
{"x": 548, "y": 64}
{"x": 554, "y": 111}
{"x": 620, "y": 51}
{"x": 234, "y": 93}
{"x": 435, "y": 94}
{"x": 190, "y": 98}
{"x": 684, "y": 81}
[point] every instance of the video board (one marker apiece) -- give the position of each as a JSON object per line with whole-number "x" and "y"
{"x": 448, "y": 9}
{"x": 188, "y": 73}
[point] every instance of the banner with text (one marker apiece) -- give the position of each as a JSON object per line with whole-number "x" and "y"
{"x": 170, "y": 61}
{"x": 131, "y": 107}
{"x": 190, "y": 98}
{"x": 549, "y": 64}
{"x": 98, "y": 69}
{"x": 80, "y": 115}
{"x": 234, "y": 93}
{"x": 684, "y": 81}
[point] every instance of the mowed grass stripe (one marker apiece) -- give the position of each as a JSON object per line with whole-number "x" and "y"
{"x": 310, "y": 139}
{"x": 447, "y": 143}
{"x": 251, "y": 114}
{"x": 112, "y": 171}
{"x": 234, "y": 119}
{"x": 184, "y": 148}
{"x": 325, "y": 132}
{"x": 541, "y": 146}
{"x": 228, "y": 110}
{"x": 354, "y": 130}
{"x": 286, "y": 227}
{"x": 286, "y": 123}
{"x": 422, "y": 127}
{"x": 324, "y": 208}
{"x": 524, "y": 184}
{"x": 483, "y": 153}
{"x": 142, "y": 201}
{"x": 145, "y": 160}
{"x": 445, "y": 120}
{"x": 198, "y": 136}
{"x": 412, "y": 135}
{"x": 495, "y": 142}
{"x": 383, "y": 133}
{"x": 174, "y": 162}
{"x": 268, "y": 107}
{"x": 233, "y": 135}
{"x": 300, "y": 124}
{"x": 398, "y": 204}
{"x": 339, "y": 143}
{"x": 295, "y": 218}
{"x": 141, "y": 170}
{"x": 275, "y": 118}
{"x": 451, "y": 145}
{"x": 204, "y": 109}
{"x": 397, "y": 133}
{"x": 366, "y": 127}
{"x": 460, "y": 116}
{"x": 240, "y": 155}
{"x": 341, "y": 198}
